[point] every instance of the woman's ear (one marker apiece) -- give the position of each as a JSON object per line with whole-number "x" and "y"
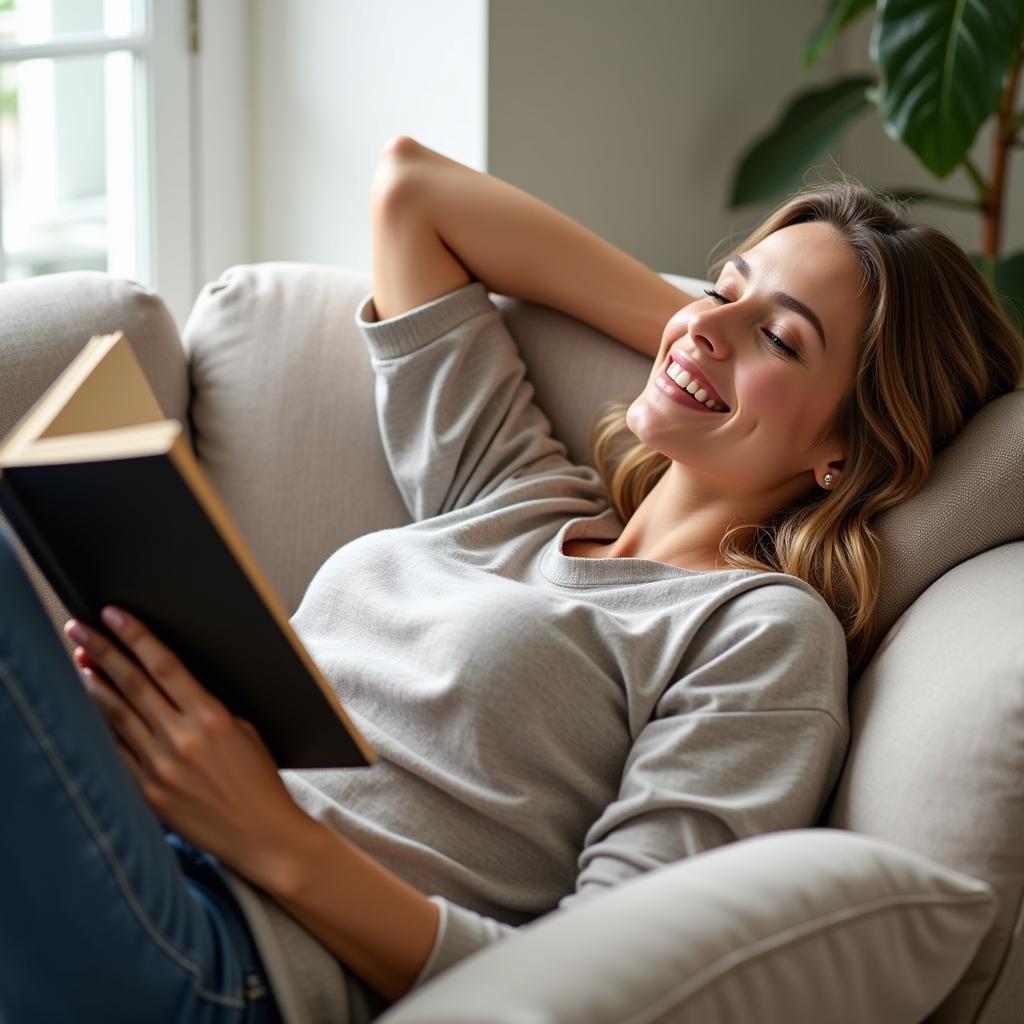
{"x": 828, "y": 472}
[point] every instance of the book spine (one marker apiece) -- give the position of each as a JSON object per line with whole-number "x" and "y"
{"x": 35, "y": 544}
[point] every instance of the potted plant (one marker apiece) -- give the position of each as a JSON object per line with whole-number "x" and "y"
{"x": 945, "y": 68}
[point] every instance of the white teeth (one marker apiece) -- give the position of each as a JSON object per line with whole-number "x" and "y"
{"x": 685, "y": 380}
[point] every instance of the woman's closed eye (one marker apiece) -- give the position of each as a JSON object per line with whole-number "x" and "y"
{"x": 773, "y": 339}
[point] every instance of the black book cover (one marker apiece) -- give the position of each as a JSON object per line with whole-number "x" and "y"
{"x": 129, "y": 531}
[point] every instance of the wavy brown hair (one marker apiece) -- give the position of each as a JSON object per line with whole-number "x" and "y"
{"x": 935, "y": 348}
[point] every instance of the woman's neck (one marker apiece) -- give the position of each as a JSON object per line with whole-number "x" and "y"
{"x": 682, "y": 526}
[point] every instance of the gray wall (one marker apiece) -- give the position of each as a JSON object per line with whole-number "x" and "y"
{"x": 629, "y": 115}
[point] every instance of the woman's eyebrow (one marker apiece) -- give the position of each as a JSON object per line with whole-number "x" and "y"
{"x": 784, "y": 299}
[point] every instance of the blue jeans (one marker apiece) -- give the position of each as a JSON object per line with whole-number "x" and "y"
{"x": 105, "y": 916}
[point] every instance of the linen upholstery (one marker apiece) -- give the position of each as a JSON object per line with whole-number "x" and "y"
{"x": 936, "y": 761}
{"x": 793, "y": 927}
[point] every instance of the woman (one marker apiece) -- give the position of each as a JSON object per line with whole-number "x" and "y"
{"x": 564, "y": 693}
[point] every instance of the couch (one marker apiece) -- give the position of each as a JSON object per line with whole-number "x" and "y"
{"x": 904, "y": 902}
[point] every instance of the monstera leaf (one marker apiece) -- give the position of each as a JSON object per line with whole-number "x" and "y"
{"x": 943, "y": 63}
{"x": 807, "y": 131}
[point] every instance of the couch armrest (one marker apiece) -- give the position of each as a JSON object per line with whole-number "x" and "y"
{"x": 936, "y": 760}
{"x": 791, "y": 927}
{"x": 45, "y": 322}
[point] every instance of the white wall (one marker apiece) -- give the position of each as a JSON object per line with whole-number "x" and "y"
{"x": 331, "y": 82}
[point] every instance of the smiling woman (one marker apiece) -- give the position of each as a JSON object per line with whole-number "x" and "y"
{"x": 572, "y": 674}
{"x": 851, "y": 346}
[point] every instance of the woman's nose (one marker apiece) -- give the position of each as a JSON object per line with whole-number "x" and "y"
{"x": 710, "y": 331}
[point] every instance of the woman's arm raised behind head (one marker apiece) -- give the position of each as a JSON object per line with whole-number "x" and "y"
{"x": 438, "y": 224}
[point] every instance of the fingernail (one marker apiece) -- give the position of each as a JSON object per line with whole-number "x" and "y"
{"x": 113, "y": 618}
{"x": 78, "y": 633}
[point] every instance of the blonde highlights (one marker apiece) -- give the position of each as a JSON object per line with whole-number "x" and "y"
{"x": 936, "y": 348}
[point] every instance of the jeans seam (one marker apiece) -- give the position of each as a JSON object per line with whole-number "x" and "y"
{"x": 50, "y": 750}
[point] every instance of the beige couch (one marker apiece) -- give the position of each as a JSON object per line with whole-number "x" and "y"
{"x": 907, "y": 905}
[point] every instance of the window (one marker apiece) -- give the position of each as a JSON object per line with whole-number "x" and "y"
{"x": 94, "y": 126}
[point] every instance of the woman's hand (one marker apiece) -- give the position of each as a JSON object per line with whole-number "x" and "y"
{"x": 206, "y": 773}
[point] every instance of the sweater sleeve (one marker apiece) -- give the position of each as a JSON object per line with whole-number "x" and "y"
{"x": 455, "y": 410}
{"x": 749, "y": 739}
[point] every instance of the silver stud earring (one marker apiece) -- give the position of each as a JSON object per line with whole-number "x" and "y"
{"x": 828, "y": 479}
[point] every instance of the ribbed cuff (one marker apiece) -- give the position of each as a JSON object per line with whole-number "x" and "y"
{"x": 460, "y": 932}
{"x": 411, "y": 330}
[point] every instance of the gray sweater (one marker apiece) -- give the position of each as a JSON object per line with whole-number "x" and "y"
{"x": 548, "y": 726}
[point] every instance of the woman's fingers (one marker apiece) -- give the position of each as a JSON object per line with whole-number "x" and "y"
{"x": 159, "y": 661}
{"x": 136, "y": 688}
{"x": 133, "y": 737}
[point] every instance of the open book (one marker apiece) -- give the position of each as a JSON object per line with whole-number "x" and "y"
{"x": 108, "y": 499}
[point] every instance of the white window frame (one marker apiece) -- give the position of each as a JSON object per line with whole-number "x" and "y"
{"x": 164, "y": 187}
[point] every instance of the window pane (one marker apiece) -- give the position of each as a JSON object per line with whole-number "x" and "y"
{"x": 40, "y": 21}
{"x": 67, "y": 165}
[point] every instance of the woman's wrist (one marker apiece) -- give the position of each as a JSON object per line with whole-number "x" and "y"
{"x": 371, "y": 920}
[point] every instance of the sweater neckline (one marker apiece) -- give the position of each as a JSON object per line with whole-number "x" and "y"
{"x": 577, "y": 571}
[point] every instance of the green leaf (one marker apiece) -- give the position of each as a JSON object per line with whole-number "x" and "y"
{"x": 943, "y": 63}
{"x": 1009, "y": 285}
{"x": 839, "y": 14}
{"x": 776, "y": 162}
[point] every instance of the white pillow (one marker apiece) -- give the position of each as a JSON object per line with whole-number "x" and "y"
{"x": 806, "y": 925}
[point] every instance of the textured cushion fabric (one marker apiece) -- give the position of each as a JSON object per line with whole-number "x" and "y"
{"x": 973, "y": 501}
{"x": 45, "y": 322}
{"x": 936, "y": 762}
{"x": 808, "y": 926}
{"x": 284, "y": 417}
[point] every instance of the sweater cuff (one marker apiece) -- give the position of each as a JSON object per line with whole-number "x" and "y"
{"x": 460, "y": 932}
{"x": 403, "y": 334}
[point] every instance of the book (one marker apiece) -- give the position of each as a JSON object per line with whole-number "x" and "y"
{"x": 108, "y": 499}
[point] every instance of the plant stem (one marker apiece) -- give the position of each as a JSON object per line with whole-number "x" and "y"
{"x": 1000, "y": 151}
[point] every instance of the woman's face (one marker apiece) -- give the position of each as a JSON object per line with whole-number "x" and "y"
{"x": 798, "y": 288}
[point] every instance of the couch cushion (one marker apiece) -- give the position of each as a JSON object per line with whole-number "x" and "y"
{"x": 791, "y": 927}
{"x": 284, "y": 418}
{"x": 936, "y": 762}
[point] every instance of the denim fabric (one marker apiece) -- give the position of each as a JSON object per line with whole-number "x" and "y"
{"x": 105, "y": 915}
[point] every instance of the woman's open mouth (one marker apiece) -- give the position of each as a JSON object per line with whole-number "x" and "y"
{"x": 675, "y": 383}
